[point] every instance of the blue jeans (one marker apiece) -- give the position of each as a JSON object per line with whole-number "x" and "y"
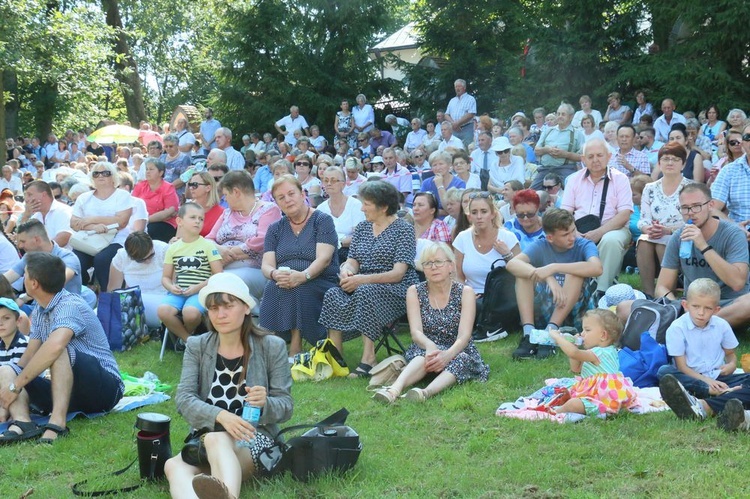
{"x": 700, "y": 388}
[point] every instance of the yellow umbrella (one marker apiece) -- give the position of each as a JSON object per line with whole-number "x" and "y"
{"x": 114, "y": 134}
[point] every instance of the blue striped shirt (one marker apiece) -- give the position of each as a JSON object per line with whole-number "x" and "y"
{"x": 67, "y": 310}
{"x": 732, "y": 187}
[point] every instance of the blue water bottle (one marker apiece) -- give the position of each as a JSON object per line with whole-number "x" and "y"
{"x": 686, "y": 246}
{"x": 251, "y": 414}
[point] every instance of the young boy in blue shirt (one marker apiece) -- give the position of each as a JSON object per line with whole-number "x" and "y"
{"x": 702, "y": 382}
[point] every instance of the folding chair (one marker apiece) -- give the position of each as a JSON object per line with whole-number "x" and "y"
{"x": 389, "y": 338}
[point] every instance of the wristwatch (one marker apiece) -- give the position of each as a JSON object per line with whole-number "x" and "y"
{"x": 308, "y": 276}
{"x": 12, "y": 388}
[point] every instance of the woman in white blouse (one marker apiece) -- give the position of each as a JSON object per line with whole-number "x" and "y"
{"x": 345, "y": 210}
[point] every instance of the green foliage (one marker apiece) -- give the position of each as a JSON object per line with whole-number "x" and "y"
{"x": 310, "y": 53}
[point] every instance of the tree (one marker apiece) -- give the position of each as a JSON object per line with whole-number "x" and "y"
{"x": 310, "y": 53}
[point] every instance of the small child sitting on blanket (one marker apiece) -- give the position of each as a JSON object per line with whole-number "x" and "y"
{"x": 603, "y": 389}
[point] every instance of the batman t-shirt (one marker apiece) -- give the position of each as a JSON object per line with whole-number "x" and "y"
{"x": 191, "y": 261}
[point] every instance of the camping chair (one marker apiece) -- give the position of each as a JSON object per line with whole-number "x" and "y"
{"x": 390, "y": 340}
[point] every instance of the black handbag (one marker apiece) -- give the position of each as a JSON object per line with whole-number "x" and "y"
{"x": 329, "y": 445}
{"x": 588, "y": 223}
{"x": 194, "y": 452}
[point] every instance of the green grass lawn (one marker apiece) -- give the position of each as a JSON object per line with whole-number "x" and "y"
{"x": 451, "y": 446}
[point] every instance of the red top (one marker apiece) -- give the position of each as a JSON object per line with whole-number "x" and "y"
{"x": 162, "y": 198}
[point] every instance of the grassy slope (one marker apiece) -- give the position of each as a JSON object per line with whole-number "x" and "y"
{"x": 453, "y": 446}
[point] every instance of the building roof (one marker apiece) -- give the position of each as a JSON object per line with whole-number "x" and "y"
{"x": 405, "y": 38}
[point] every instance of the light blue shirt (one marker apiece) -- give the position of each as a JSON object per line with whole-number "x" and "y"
{"x": 732, "y": 187}
{"x": 208, "y": 129}
{"x": 262, "y": 178}
{"x": 703, "y": 349}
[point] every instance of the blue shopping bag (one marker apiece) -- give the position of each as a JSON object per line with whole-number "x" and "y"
{"x": 123, "y": 318}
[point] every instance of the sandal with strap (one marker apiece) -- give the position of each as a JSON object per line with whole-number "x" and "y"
{"x": 60, "y": 431}
{"x": 386, "y": 395}
{"x": 28, "y": 429}
{"x": 362, "y": 371}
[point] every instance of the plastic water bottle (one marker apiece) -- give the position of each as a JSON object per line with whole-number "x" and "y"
{"x": 576, "y": 340}
{"x": 686, "y": 246}
{"x": 251, "y": 414}
{"x": 541, "y": 337}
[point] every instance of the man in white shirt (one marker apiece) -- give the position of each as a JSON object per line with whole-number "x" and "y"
{"x": 663, "y": 123}
{"x": 10, "y": 181}
{"x": 223, "y": 138}
{"x": 483, "y": 158}
{"x": 449, "y": 140}
{"x": 293, "y": 121}
{"x": 50, "y": 148}
{"x": 41, "y": 205}
{"x": 185, "y": 136}
{"x": 460, "y": 113}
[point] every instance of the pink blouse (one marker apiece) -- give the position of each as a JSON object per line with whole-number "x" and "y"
{"x": 248, "y": 232}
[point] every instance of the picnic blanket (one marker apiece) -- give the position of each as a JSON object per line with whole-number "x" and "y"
{"x": 533, "y": 407}
{"x": 125, "y": 404}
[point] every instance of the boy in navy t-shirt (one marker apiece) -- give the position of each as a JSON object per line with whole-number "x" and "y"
{"x": 553, "y": 279}
{"x": 12, "y": 343}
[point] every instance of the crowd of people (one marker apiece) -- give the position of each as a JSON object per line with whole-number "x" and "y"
{"x": 343, "y": 238}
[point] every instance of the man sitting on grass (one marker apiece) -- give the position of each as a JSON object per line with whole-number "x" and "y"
{"x": 67, "y": 338}
{"x": 701, "y": 383}
{"x": 554, "y": 277}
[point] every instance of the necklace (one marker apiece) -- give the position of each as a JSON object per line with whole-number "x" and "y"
{"x": 252, "y": 210}
{"x": 292, "y": 222}
{"x": 235, "y": 363}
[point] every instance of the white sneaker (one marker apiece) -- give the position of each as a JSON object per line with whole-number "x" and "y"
{"x": 684, "y": 405}
{"x": 486, "y": 336}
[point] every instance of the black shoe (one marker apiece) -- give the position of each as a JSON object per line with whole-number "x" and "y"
{"x": 545, "y": 351}
{"x": 732, "y": 417}
{"x": 480, "y": 336}
{"x": 525, "y": 350}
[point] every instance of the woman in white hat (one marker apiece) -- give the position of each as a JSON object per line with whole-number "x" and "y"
{"x": 233, "y": 363}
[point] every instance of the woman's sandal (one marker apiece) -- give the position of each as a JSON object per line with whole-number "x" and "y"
{"x": 60, "y": 431}
{"x": 28, "y": 429}
{"x": 386, "y": 395}
{"x": 210, "y": 487}
{"x": 362, "y": 371}
{"x": 416, "y": 395}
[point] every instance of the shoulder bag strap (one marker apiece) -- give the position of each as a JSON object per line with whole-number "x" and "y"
{"x": 97, "y": 493}
{"x": 337, "y": 418}
{"x": 604, "y": 197}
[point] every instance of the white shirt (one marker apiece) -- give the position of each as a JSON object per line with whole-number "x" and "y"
{"x": 452, "y": 142}
{"x": 146, "y": 275}
{"x": 140, "y": 212}
{"x": 290, "y": 125}
{"x": 515, "y": 171}
{"x": 348, "y": 219}
{"x": 580, "y": 114}
{"x": 365, "y": 114}
{"x": 235, "y": 160}
{"x": 477, "y": 159}
{"x": 14, "y": 184}
{"x": 185, "y": 137}
{"x": 663, "y": 128}
{"x": 414, "y": 139}
{"x": 476, "y": 265}
{"x": 458, "y": 107}
{"x": 57, "y": 219}
{"x": 88, "y": 205}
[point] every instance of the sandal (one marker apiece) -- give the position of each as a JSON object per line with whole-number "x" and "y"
{"x": 386, "y": 395}
{"x": 61, "y": 432}
{"x": 210, "y": 487}
{"x": 362, "y": 371}
{"x": 28, "y": 429}
{"x": 416, "y": 395}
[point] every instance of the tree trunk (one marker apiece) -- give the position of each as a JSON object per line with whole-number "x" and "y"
{"x": 126, "y": 69}
{"x": 3, "y": 151}
{"x": 10, "y": 82}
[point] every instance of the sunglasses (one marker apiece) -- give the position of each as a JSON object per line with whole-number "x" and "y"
{"x": 525, "y": 215}
{"x": 507, "y": 151}
{"x": 58, "y": 196}
{"x": 480, "y": 195}
{"x": 302, "y": 163}
{"x": 549, "y": 187}
{"x": 734, "y": 143}
{"x": 101, "y": 173}
{"x": 746, "y": 137}
{"x": 194, "y": 185}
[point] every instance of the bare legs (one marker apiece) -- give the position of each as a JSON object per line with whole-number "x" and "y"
{"x": 295, "y": 346}
{"x": 183, "y": 328}
{"x": 647, "y": 254}
{"x": 415, "y": 372}
{"x": 525, "y": 294}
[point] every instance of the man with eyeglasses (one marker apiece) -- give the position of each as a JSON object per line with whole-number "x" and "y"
{"x": 719, "y": 253}
{"x": 395, "y": 174}
{"x": 731, "y": 189}
{"x": 649, "y": 145}
{"x": 627, "y": 158}
{"x": 559, "y": 147}
{"x": 421, "y": 165}
{"x": 40, "y": 204}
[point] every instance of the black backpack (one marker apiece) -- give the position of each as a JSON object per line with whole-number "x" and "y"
{"x": 652, "y": 316}
{"x": 499, "y": 304}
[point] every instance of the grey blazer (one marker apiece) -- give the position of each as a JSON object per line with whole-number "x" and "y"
{"x": 268, "y": 366}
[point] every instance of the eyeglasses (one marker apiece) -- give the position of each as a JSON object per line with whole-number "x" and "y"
{"x": 435, "y": 264}
{"x": 549, "y": 187}
{"x": 146, "y": 258}
{"x": 101, "y": 173}
{"x": 734, "y": 143}
{"x": 696, "y": 208}
{"x": 194, "y": 185}
{"x": 670, "y": 159}
{"x": 525, "y": 215}
{"x": 481, "y": 195}
{"x": 419, "y": 155}
{"x": 746, "y": 137}
{"x": 302, "y": 163}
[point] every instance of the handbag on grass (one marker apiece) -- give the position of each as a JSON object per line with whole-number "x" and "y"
{"x": 327, "y": 446}
{"x": 194, "y": 452}
{"x": 123, "y": 318}
{"x": 92, "y": 242}
{"x": 385, "y": 372}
